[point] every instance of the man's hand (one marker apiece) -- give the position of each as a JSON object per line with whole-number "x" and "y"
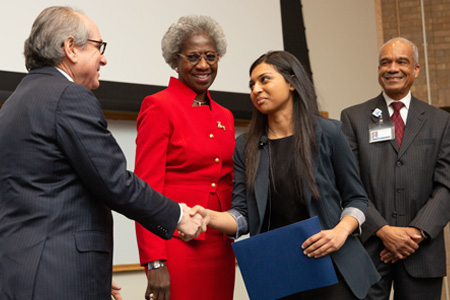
{"x": 203, "y": 212}
{"x": 400, "y": 241}
{"x": 191, "y": 226}
{"x": 115, "y": 294}
{"x": 387, "y": 256}
{"x": 158, "y": 284}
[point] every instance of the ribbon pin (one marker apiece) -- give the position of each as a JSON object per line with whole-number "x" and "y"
{"x": 220, "y": 126}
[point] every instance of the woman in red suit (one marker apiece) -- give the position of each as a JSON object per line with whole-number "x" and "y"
{"x": 185, "y": 144}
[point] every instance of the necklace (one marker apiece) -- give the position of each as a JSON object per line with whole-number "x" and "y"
{"x": 200, "y": 103}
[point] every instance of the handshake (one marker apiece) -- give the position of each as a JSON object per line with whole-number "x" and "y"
{"x": 193, "y": 222}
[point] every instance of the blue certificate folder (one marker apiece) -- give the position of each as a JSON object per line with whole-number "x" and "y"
{"x": 273, "y": 265}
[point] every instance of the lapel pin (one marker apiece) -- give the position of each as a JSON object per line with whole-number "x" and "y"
{"x": 220, "y": 126}
{"x": 377, "y": 112}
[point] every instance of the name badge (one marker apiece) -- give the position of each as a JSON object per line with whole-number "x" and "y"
{"x": 381, "y": 132}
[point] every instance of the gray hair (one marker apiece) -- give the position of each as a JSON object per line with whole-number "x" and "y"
{"x": 403, "y": 40}
{"x": 186, "y": 27}
{"x": 49, "y": 31}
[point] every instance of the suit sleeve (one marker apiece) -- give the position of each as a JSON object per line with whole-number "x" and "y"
{"x": 347, "y": 129}
{"x": 239, "y": 208}
{"x": 435, "y": 214}
{"x": 96, "y": 157}
{"x": 347, "y": 177}
{"x": 374, "y": 220}
{"x": 151, "y": 148}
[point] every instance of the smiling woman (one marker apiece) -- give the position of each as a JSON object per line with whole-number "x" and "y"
{"x": 194, "y": 68}
{"x": 184, "y": 150}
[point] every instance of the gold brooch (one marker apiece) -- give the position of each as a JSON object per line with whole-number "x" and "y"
{"x": 220, "y": 126}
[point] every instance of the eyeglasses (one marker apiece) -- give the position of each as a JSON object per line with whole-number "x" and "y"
{"x": 194, "y": 58}
{"x": 101, "y": 45}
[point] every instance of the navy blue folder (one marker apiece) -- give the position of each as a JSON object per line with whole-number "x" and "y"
{"x": 273, "y": 265}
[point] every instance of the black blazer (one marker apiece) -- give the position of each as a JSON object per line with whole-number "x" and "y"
{"x": 339, "y": 186}
{"x": 61, "y": 173}
{"x": 409, "y": 186}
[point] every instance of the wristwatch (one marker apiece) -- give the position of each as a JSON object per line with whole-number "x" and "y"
{"x": 156, "y": 264}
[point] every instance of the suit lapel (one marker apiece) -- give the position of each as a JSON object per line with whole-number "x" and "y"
{"x": 415, "y": 121}
{"x": 380, "y": 104}
{"x": 307, "y": 196}
{"x": 262, "y": 183}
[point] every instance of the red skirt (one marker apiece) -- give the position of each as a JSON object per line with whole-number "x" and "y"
{"x": 202, "y": 269}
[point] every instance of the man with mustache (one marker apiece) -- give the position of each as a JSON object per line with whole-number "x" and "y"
{"x": 402, "y": 148}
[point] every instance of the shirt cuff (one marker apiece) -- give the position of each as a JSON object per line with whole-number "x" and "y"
{"x": 241, "y": 221}
{"x": 181, "y": 213}
{"x": 357, "y": 214}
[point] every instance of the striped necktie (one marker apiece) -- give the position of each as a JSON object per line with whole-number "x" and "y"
{"x": 398, "y": 121}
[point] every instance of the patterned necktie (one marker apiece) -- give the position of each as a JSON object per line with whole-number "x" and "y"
{"x": 398, "y": 121}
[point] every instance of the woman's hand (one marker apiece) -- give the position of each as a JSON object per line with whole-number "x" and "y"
{"x": 324, "y": 243}
{"x": 327, "y": 241}
{"x": 221, "y": 221}
{"x": 196, "y": 211}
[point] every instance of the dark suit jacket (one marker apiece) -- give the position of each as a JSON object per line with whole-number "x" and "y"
{"x": 61, "y": 173}
{"x": 339, "y": 186}
{"x": 409, "y": 186}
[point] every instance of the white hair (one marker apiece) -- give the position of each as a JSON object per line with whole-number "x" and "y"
{"x": 186, "y": 27}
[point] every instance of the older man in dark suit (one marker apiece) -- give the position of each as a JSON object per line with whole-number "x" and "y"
{"x": 62, "y": 172}
{"x": 402, "y": 146}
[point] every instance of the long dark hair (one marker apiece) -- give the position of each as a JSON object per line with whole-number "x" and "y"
{"x": 304, "y": 112}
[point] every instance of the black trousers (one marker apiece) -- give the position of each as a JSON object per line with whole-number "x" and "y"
{"x": 404, "y": 286}
{"x": 395, "y": 276}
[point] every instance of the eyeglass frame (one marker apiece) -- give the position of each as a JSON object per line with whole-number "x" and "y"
{"x": 101, "y": 45}
{"x": 200, "y": 56}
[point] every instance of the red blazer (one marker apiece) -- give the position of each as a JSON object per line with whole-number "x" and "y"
{"x": 184, "y": 152}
